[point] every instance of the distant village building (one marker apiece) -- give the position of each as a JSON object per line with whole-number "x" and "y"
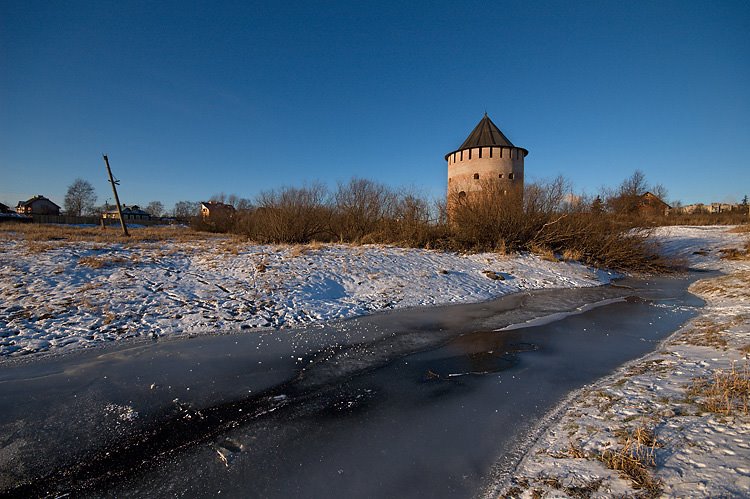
{"x": 7, "y": 214}
{"x": 485, "y": 156}
{"x": 650, "y": 204}
{"x": 38, "y": 205}
{"x": 691, "y": 209}
{"x": 723, "y": 207}
{"x": 215, "y": 209}
{"x": 129, "y": 214}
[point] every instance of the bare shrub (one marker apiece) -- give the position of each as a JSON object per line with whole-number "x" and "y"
{"x": 290, "y": 215}
{"x": 543, "y": 217}
{"x": 481, "y": 219}
{"x": 360, "y": 208}
{"x": 540, "y": 219}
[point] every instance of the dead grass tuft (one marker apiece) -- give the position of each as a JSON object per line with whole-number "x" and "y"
{"x": 727, "y": 392}
{"x": 97, "y": 262}
{"x": 572, "y": 255}
{"x": 634, "y": 459}
{"x": 740, "y": 229}
{"x": 495, "y": 276}
{"x": 736, "y": 253}
{"x": 705, "y": 332}
{"x": 544, "y": 253}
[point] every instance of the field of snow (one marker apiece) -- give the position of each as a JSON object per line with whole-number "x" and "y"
{"x": 62, "y": 295}
{"x": 656, "y": 427}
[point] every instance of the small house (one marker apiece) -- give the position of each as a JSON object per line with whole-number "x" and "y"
{"x": 38, "y": 205}
{"x": 650, "y": 204}
{"x": 129, "y": 213}
{"x": 215, "y": 209}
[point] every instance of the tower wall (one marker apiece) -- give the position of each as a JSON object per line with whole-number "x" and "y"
{"x": 469, "y": 168}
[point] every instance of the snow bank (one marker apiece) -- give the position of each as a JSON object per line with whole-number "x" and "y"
{"x": 65, "y": 295}
{"x": 689, "y": 451}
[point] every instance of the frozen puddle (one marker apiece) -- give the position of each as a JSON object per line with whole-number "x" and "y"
{"x": 414, "y": 403}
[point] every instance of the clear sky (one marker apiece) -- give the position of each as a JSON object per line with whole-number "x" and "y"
{"x": 191, "y": 99}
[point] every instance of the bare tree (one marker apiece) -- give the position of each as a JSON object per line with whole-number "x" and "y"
{"x": 625, "y": 200}
{"x": 361, "y": 206}
{"x": 185, "y": 210}
{"x": 155, "y": 209}
{"x": 292, "y": 214}
{"x": 80, "y": 198}
{"x": 659, "y": 191}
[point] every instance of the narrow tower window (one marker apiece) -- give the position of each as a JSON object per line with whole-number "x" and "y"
{"x": 510, "y": 176}
{"x": 469, "y": 153}
{"x": 480, "y": 152}
{"x": 500, "y": 176}
{"x": 490, "y": 152}
{"x": 501, "y": 152}
{"x": 462, "y": 156}
{"x": 476, "y": 176}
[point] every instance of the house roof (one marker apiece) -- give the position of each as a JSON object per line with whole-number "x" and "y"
{"x": 129, "y": 210}
{"x": 38, "y": 197}
{"x": 652, "y": 199}
{"x": 486, "y": 134}
{"x": 217, "y": 205}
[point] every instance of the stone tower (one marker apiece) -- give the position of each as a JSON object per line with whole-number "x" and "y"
{"x": 486, "y": 155}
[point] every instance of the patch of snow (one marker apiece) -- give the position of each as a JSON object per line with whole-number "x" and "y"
{"x": 59, "y": 296}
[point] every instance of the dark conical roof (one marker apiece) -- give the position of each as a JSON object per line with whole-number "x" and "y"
{"x": 486, "y": 134}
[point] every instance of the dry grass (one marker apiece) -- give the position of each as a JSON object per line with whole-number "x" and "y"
{"x": 736, "y": 253}
{"x": 730, "y": 286}
{"x": 740, "y": 229}
{"x": 302, "y": 249}
{"x": 634, "y": 459}
{"x": 68, "y": 233}
{"x": 726, "y": 392}
{"x": 97, "y": 262}
{"x": 705, "y": 332}
{"x": 572, "y": 255}
{"x": 544, "y": 253}
{"x": 37, "y": 247}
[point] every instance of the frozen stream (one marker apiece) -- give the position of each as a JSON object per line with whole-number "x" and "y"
{"x": 417, "y": 403}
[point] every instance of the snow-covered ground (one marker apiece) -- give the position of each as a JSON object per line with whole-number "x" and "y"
{"x": 61, "y": 295}
{"x": 653, "y": 410}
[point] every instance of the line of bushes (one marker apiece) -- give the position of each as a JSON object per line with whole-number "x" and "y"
{"x": 541, "y": 218}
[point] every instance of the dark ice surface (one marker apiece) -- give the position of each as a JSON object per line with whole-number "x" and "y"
{"x": 414, "y": 403}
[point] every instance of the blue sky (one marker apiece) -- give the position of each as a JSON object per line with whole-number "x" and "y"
{"x": 191, "y": 99}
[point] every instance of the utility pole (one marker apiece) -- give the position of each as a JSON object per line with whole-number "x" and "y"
{"x": 117, "y": 199}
